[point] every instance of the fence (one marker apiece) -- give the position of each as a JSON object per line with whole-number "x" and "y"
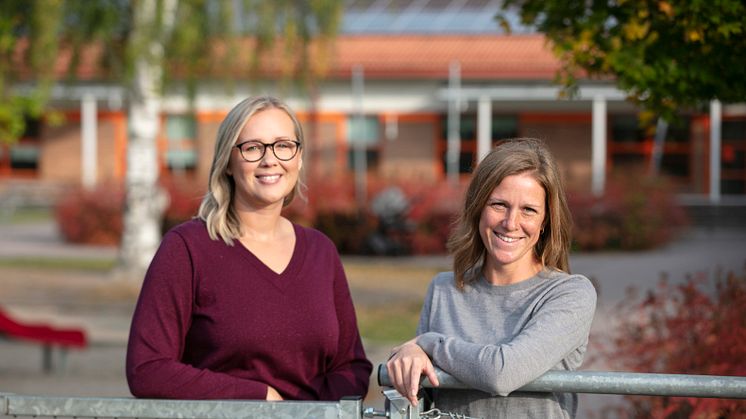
{"x": 396, "y": 407}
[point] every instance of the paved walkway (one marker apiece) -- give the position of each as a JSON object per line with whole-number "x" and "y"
{"x": 71, "y": 299}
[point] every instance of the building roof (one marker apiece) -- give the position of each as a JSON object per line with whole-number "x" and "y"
{"x": 486, "y": 57}
{"x": 404, "y": 56}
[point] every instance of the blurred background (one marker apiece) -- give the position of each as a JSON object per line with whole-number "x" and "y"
{"x": 110, "y": 110}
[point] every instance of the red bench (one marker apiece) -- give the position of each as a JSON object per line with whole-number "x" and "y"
{"x": 42, "y": 334}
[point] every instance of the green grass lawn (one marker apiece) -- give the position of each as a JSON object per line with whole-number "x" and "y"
{"x": 75, "y": 264}
{"x": 27, "y": 215}
{"x": 388, "y": 298}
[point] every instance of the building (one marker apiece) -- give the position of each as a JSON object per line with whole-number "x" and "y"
{"x": 417, "y": 90}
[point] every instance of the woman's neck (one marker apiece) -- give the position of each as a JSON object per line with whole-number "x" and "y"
{"x": 261, "y": 224}
{"x": 510, "y": 274}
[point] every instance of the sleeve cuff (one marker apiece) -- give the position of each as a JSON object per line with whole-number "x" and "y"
{"x": 428, "y": 341}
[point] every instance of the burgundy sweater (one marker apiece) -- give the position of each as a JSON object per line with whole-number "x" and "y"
{"x": 214, "y": 322}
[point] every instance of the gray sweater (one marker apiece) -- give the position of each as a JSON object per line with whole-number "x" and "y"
{"x": 498, "y": 338}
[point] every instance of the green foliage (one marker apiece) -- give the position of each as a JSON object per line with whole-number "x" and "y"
{"x": 206, "y": 38}
{"x": 667, "y": 54}
{"x": 28, "y": 33}
{"x": 690, "y": 328}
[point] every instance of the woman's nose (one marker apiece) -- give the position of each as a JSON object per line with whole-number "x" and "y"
{"x": 269, "y": 158}
{"x": 510, "y": 222}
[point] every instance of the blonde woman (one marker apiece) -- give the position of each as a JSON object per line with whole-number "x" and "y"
{"x": 240, "y": 303}
{"x": 510, "y": 310}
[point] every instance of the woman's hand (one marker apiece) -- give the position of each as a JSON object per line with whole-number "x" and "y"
{"x": 406, "y": 365}
{"x": 272, "y": 394}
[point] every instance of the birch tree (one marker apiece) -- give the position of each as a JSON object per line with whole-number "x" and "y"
{"x": 141, "y": 41}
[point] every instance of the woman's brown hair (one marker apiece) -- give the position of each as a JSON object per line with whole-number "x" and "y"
{"x": 512, "y": 157}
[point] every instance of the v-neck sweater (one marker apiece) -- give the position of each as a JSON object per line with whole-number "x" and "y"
{"x": 214, "y": 322}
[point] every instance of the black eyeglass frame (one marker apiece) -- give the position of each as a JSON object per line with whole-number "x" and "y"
{"x": 264, "y": 149}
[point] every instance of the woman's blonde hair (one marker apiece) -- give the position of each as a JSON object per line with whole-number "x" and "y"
{"x": 512, "y": 157}
{"x": 216, "y": 208}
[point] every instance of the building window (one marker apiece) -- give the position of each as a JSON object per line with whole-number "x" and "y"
{"x": 365, "y": 131}
{"x": 503, "y": 127}
{"x": 22, "y": 158}
{"x": 181, "y": 134}
{"x": 733, "y": 172}
{"x": 25, "y": 155}
{"x": 633, "y": 144}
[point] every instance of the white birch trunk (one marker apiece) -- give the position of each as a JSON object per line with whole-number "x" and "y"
{"x": 144, "y": 201}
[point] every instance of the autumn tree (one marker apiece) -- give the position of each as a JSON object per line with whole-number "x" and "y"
{"x": 147, "y": 46}
{"x": 688, "y": 328}
{"x": 667, "y": 55}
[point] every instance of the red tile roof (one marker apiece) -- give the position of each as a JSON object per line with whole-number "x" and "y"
{"x": 488, "y": 57}
{"x": 420, "y": 56}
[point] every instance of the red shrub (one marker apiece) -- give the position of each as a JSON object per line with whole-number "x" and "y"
{"x": 689, "y": 328}
{"x": 184, "y": 199}
{"x": 91, "y": 216}
{"x": 434, "y": 210}
{"x": 637, "y": 211}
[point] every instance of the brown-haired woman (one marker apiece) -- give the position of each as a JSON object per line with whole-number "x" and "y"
{"x": 510, "y": 310}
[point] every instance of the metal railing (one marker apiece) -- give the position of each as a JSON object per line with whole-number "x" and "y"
{"x": 627, "y": 383}
{"x": 600, "y": 382}
{"x": 109, "y": 407}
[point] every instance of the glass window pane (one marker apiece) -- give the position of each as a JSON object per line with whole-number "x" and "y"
{"x": 734, "y": 130}
{"x": 733, "y": 158}
{"x": 372, "y": 157}
{"x": 622, "y": 159}
{"x": 465, "y": 162}
{"x": 181, "y": 132}
{"x": 626, "y": 129}
{"x": 504, "y": 127}
{"x": 675, "y": 164}
{"x": 181, "y": 159}
{"x": 366, "y": 129}
{"x": 678, "y": 131}
{"x": 467, "y": 127}
{"x": 732, "y": 186}
{"x": 180, "y": 127}
{"x": 24, "y": 156}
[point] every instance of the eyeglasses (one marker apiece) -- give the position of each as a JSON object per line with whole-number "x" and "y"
{"x": 253, "y": 151}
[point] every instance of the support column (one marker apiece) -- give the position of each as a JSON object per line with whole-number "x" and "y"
{"x": 484, "y": 127}
{"x": 716, "y": 117}
{"x": 359, "y": 144}
{"x": 88, "y": 146}
{"x": 453, "y": 153}
{"x": 598, "y": 147}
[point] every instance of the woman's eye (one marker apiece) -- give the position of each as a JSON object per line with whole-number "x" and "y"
{"x": 251, "y": 147}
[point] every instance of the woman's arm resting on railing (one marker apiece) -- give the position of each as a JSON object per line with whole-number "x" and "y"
{"x": 558, "y": 327}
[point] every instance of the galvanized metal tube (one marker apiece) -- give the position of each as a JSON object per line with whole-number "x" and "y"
{"x": 602, "y": 382}
{"x": 89, "y": 407}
